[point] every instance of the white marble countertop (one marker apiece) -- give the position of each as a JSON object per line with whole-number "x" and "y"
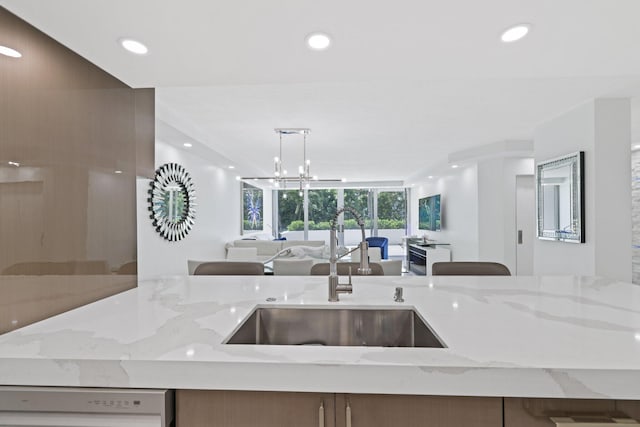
{"x": 506, "y": 336}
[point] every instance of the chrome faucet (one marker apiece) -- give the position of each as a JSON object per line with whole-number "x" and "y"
{"x": 335, "y": 287}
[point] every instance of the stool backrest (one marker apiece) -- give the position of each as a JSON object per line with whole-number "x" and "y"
{"x": 469, "y": 268}
{"x": 230, "y": 268}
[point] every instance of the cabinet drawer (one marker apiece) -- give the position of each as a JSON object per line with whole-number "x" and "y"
{"x": 206, "y": 408}
{"x": 371, "y": 410}
{"x": 527, "y": 412}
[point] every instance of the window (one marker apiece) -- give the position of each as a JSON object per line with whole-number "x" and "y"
{"x": 290, "y": 214}
{"x": 362, "y": 201}
{"x": 392, "y": 210}
{"x": 384, "y": 213}
{"x": 323, "y": 205}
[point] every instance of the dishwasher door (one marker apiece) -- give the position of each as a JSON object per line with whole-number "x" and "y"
{"x": 85, "y": 407}
{"x": 54, "y": 419}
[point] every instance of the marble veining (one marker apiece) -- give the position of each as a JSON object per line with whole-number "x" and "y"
{"x": 505, "y": 336}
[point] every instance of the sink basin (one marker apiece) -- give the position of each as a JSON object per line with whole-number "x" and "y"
{"x": 335, "y": 327}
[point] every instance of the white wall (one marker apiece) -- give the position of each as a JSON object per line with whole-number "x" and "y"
{"x": 497, "y": 208}
{"x": 217, "y": 217}
{"x": 613, "y": 189}
{"x": 478, "y": 209}
{"x": 600, "y": 128}
{"x": 459, "y": 204}
{"x": 491, "y": 212}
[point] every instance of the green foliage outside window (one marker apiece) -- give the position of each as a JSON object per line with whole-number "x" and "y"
{"x": 290, "y": 210}
{"x": 359, "y": 199}
{"x": 392, "y": 210}
{"x": 299, "y": 225}
{"x": 323, "y": 205}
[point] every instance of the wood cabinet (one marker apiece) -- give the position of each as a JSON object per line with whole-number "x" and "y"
{"x": 200, "y": 408}
{"x": 376, "y": 410}
{"x": 205, "y": 408}
{"x": 521, "y": 412}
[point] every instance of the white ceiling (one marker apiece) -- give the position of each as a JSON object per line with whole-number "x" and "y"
{"x": 404, "y": 84}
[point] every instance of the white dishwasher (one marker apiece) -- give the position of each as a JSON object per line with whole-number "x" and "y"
{"x": 85, "y": 407}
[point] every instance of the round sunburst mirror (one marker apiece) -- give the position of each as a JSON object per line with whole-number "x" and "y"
{"x": 172, "y": 202}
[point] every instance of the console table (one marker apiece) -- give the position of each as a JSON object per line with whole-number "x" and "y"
{"x": 421, "y": 256}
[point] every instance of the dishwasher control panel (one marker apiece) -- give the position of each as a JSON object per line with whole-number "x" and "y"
{"x": 21, "y": 401}
{"x": 124, "y": 404}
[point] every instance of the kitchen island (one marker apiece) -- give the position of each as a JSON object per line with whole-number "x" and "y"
{"x": 553, "y": 337}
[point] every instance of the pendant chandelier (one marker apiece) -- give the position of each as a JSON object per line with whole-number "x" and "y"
{"x": 304, "y": 175}
{"x": 281, "y": 177}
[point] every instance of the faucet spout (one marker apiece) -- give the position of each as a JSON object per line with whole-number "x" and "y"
{"x": 335, "y": 287}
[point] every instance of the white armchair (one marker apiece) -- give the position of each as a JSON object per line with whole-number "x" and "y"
{"x": 374, "y": 255}
{"x": 392, "y": 267}
{"x": 292, "y": 267}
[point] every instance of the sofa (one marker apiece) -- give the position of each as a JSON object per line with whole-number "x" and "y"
{"x": 268, "y": 248}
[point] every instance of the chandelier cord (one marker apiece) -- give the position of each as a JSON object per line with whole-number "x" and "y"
{"x": 280, "y": 162}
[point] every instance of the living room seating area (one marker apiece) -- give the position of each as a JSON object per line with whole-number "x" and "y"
{"x": 266, "y": 249}
{"x": 298, "y": 261}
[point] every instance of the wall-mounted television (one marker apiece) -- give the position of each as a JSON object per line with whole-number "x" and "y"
{"x": 429, "y": 213}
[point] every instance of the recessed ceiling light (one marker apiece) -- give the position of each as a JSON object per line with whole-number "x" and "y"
{"x": 134, "y": 46}
{"x": 430, "y": 177}
{"x": 318, "y": 41}
{"x": 454, "y": 166}
{"x": 16, "y": 164}
{"x": 515, "y": 33}
{"x": 231, "y": 167}
{"x": 188, "y": 144}
{"x": 7, "y": 51}
{"x": 118, "y": 171}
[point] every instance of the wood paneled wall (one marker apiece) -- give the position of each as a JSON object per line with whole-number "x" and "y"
{"x": 65, "y": 212}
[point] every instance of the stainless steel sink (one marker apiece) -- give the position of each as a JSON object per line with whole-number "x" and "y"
{"x": 335, "y": 327}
